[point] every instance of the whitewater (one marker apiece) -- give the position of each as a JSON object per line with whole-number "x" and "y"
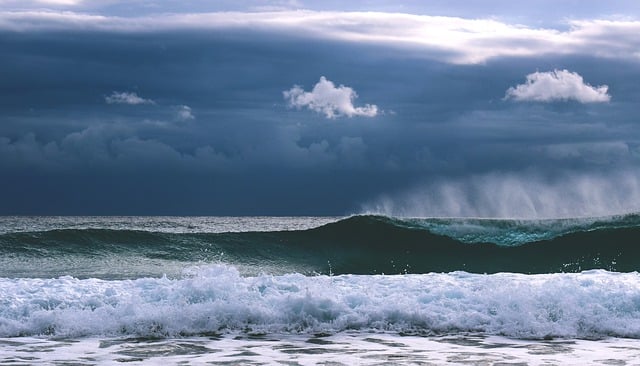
{"x": 309, "y": 290}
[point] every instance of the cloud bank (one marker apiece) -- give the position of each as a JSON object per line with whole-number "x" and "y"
{"x": 557, "y": 85}
{"x": 126, "y": 98}
{"x": 452, "y": 39}
{"x": 329, "y": 100}
{"x": 65, "y": 150}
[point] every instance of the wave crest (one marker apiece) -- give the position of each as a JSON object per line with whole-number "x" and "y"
{"x": 356, "y": 245}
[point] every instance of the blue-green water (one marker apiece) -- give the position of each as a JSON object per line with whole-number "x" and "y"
{"x": 122, "y": 248}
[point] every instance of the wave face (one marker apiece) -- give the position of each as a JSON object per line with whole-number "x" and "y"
{"x": 355, "y": 245}
{"x": 217, "y": 299}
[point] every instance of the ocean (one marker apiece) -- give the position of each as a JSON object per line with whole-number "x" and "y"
{"x": 358, "y": 290}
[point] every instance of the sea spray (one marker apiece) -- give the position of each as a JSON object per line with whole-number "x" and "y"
{"x": 515, "y": 196}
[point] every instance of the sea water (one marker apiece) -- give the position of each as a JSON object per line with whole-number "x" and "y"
{"x": 359, "y": 290}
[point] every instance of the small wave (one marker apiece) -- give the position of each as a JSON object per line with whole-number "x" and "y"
{"x": 217, "y": 299}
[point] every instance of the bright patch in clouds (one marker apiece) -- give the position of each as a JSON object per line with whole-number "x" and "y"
{"x": 557, "y": 85}
{"x": 452, "y": 39}
{"x": 59, "y": 2}
{"x": 126, "y": 98}
{"x": 329, "y": 100}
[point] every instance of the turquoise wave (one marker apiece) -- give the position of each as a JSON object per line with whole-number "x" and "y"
{"x": 355, "y": 245}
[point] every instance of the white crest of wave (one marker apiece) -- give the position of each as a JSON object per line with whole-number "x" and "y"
{"x": 218, "y": 299}
{"x": 518, "y": 196}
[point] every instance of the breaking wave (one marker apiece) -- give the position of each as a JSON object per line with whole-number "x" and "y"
{"x": 355, "y": 245}
{"x": 218, "y": 299}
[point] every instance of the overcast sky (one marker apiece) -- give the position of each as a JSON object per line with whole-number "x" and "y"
{"x": 451, "y": 108}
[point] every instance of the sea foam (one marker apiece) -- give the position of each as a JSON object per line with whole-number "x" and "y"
{"x": 217, "y": 299}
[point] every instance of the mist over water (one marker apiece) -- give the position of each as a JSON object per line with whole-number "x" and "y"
{"x": 517, "y": 196}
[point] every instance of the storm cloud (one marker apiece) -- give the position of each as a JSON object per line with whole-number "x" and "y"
{"x": 247, "y": 112}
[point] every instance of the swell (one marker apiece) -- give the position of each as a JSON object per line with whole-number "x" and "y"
{"x": 356, "y": 245}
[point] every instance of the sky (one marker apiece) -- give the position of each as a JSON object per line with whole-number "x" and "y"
{"x": 264, "y": 107}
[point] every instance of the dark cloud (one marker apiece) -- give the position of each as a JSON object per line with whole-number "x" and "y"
{"x": 220, "y": 139}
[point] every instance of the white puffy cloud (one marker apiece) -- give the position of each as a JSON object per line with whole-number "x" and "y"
{"x": 557, "y": 85}
{"x": 329, "y": 100}
{"x": 126, "y": 98}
